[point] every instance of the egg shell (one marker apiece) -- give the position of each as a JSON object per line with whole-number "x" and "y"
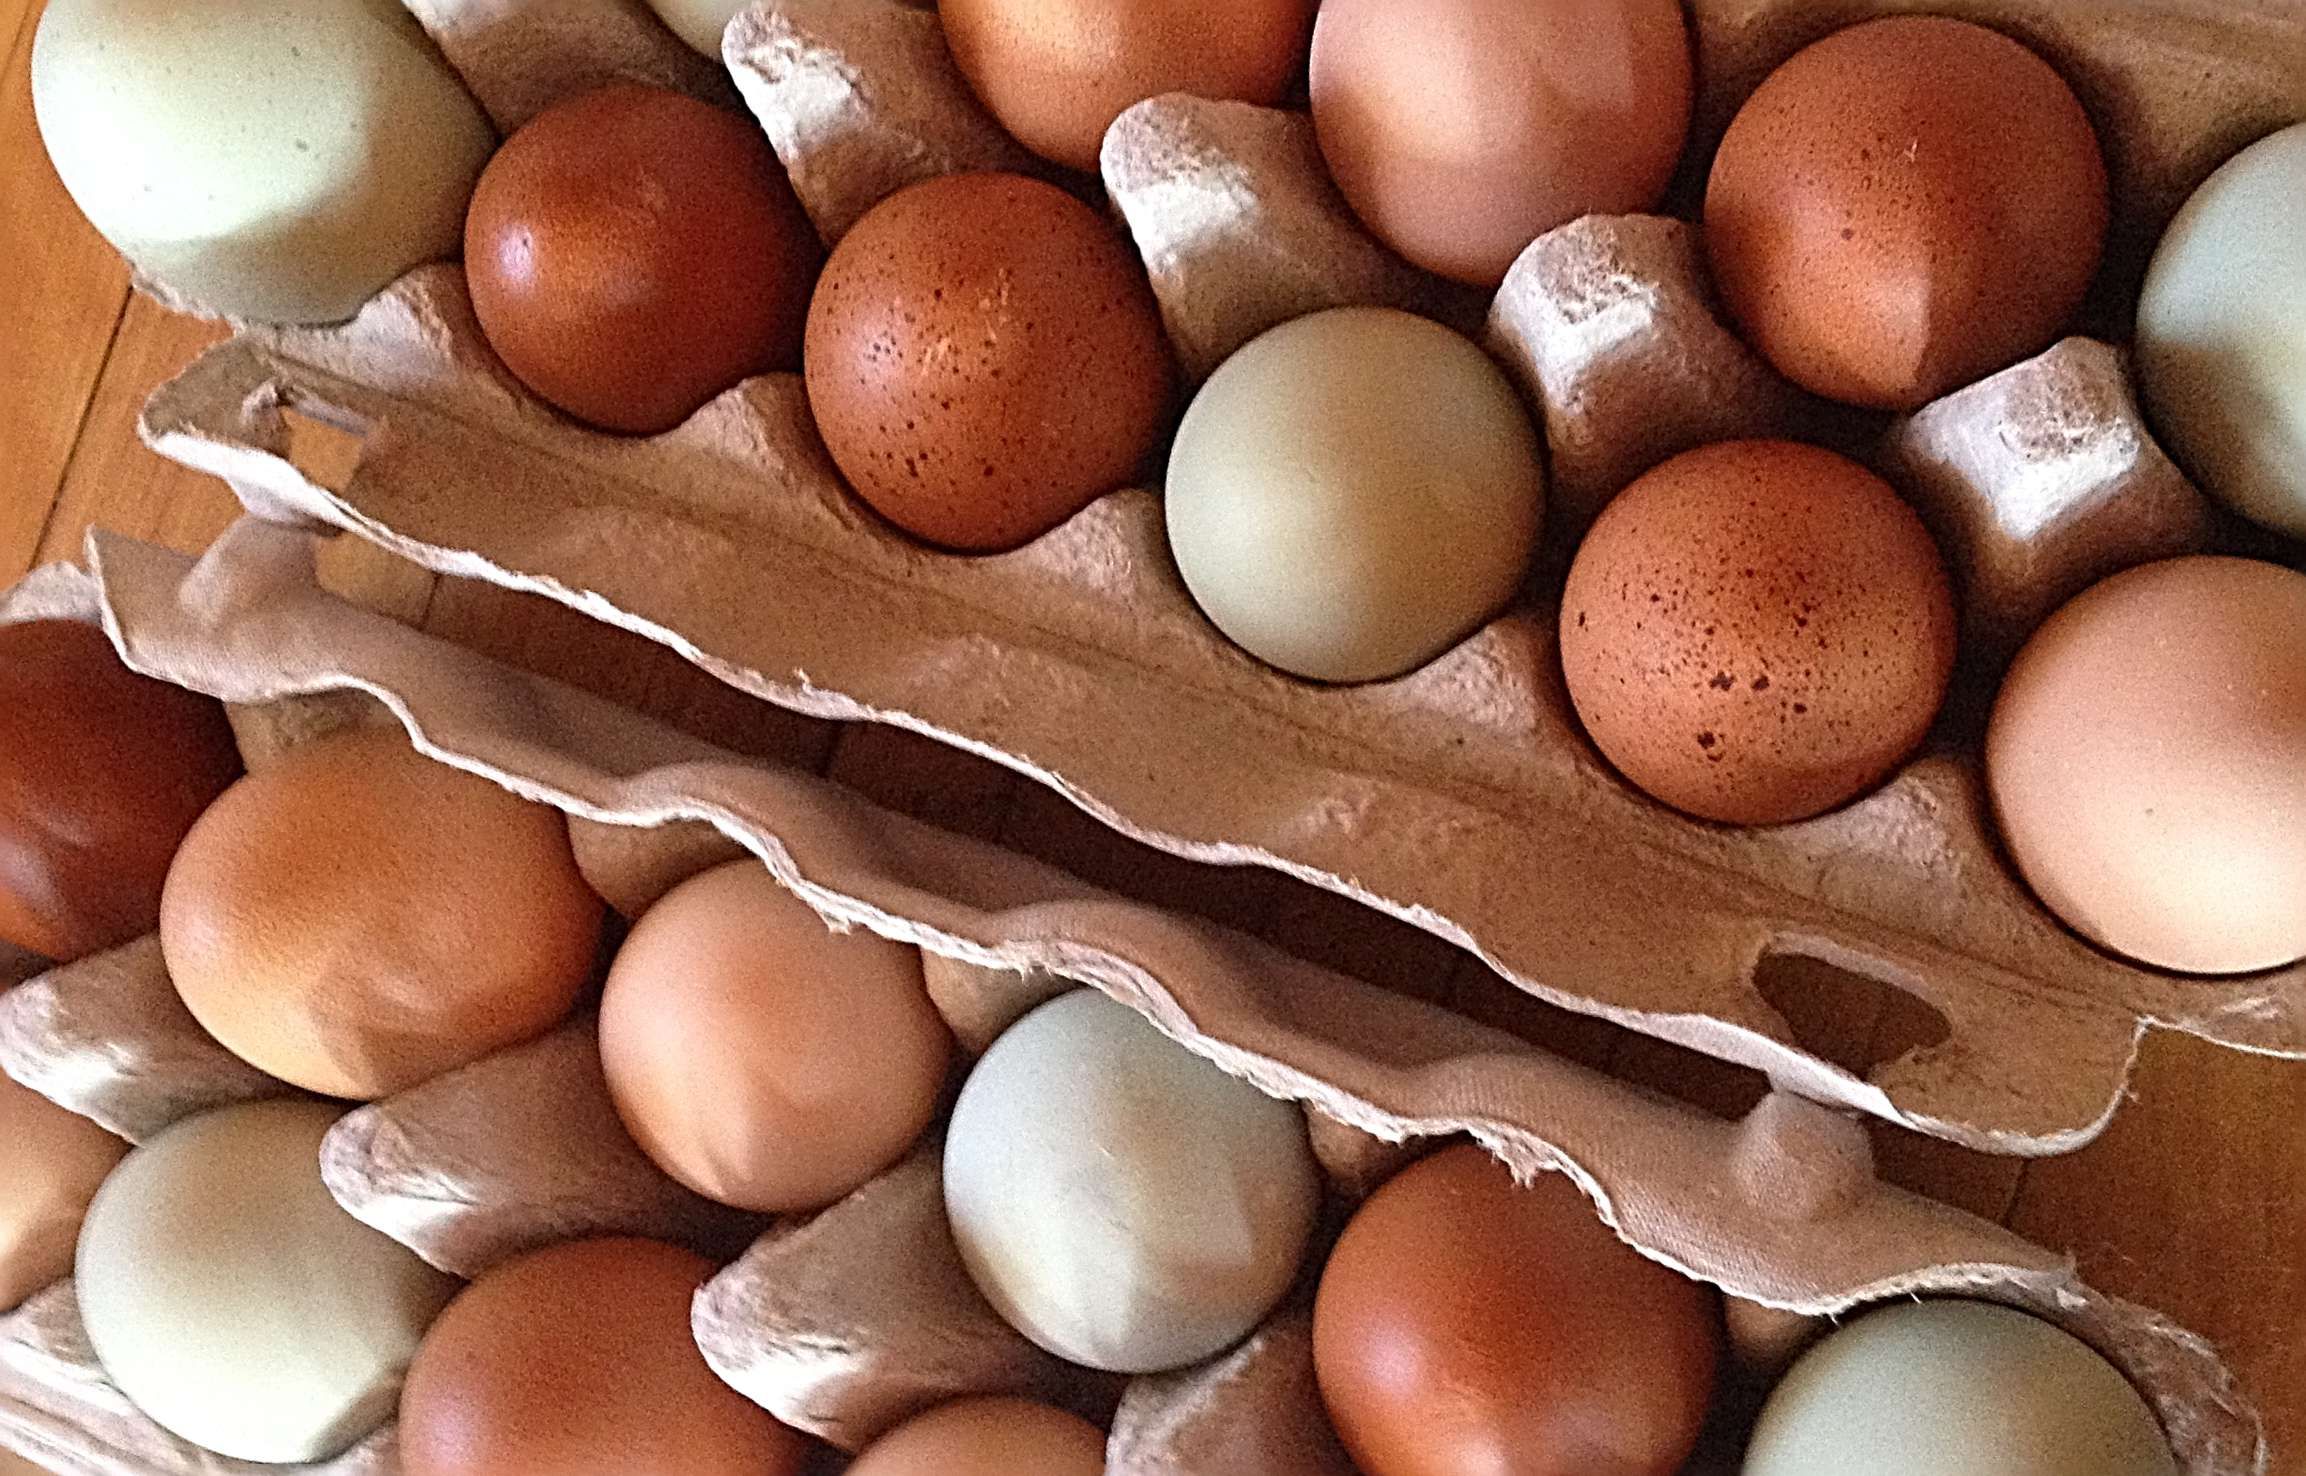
{"x": 51, "y": 1162}
{"x": 1058, "y": 72}
{"x": 1757, "y": 631}
{"x": 102, "y": 772}
{"x": 985, "y": 359}
{"x": 577, "y": 1360}
{"x": 1465, "y": 1323}
{"x": 281, "y": 160}
{"x": 987, "y": 1437}
{"x": 1462, "y": 130}
{"x": 1955, "y": 1389}
{"x": 2219, "y": 328}
{"x": 758, "y": 1056}
{"x": 1904, "y": 207}
{"x": 700, "y": 23}
{"x": 1353, "y": 493}
{"x": 355, "y": 918}
{"x": 633, "y": 252}
{"x": 1120, "y": 1201}
{"x": 235, "y": 1302}
{"x": 2147, "y": 762}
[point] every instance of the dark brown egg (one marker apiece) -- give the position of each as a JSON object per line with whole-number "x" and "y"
{"x": 985, "y": 359}
{"x": 577, "y": 1360}
{"x": 1904, "y": 207}
{"x": 1757, "y": 631}
{"x": 1466, "y": 1324}
{"x": 102, "y": 772}
{"x": 634, "y": 252}
{"x": 1058, "y": 72}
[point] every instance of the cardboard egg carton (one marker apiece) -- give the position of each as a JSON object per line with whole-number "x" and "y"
{"x": 844, "y": 1323}
{"x": 1463, "y": 797}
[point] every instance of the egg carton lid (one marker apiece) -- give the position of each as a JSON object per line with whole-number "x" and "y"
{"x": 1460, "y": 798}
{"x": 1781, "y": 1209}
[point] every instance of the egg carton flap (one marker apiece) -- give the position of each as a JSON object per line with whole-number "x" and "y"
{"x": 1781, "y": 1208}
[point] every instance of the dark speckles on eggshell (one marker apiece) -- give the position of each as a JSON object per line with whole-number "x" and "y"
{"x": 1010, "y": 333}
{"x": 1800, "y": 651}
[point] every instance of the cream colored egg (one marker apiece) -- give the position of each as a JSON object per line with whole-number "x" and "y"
{"x": 1122, "y": 1202}
{"x": 1353, "y": 493}
{"x": 233, "y": 1301}
{"x": 280, "y": 160}
{"x": 1955, "y": 1389}
{"x": 2222, "y": 333}
{"x": 699, "y": 22}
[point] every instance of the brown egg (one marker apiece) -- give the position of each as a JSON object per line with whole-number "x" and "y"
{"x": 1904, "y": 207}
{"x": 1462, "y": 130}
{"x": 1757, "y": 631}
{"x": 633, "y": 252}
{"x": 1058, "y": 72}
{"x": 356, "y": 918}
{"x": 577, "y": 1360}
{"x": 102, "y": 772}
{"x": 758, "y": 1056}
{"x": 1466, "y": 1324}
{"x": 985, "y": 359}
{"x": 51, "y": 1163}
{"x": 2147, "y": 760}
{"x": 987, "y": 1437}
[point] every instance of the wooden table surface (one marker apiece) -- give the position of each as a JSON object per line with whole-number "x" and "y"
{"x": 2193, "y": 1202}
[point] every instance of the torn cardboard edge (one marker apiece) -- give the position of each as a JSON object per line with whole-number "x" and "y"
{"x": 1780, "y": 1209}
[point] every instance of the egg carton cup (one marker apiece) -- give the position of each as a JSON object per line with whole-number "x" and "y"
{"x": 1462, "y": 797}
{"x": 844, "y": 1323}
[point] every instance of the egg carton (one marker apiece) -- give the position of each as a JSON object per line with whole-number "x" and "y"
{"x": 844, "y": 1323}
{"x": 1463, "y": 797}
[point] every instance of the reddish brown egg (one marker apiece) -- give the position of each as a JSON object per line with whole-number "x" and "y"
{"x": 1058, "y": 72}
{"x": 355, "y": 918}
{"x": 1905, "y": 207}
{"x": 1467, "y": 1324}
{"x": 987, "y": 1437}
{"x": 985, "y": 359}
{"x": 634, "y": 252}
{"x": 1757, "y": 631}
{"x": 102, "y": 772}
{"x": 577, "y": 1360}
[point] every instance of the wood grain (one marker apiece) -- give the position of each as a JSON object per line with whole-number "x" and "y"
{"x": 2194, "y": 1202}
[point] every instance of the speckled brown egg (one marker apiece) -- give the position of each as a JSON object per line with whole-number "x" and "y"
{"x": 994, "y": 1436}
{"x": 102, "y": 772}
{"x": 1058, "y": 72}
{"x": 633, "y": 252}
{"x": 985, "y": 359}
{"x": 1757, "y": 631}
{"x": 1904, "y": 207}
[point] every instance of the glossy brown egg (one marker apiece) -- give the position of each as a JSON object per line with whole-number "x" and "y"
{"x": 985, "y": 359}
{"x": 1466, "y": 1324}
{"x": 102, "y": 772}
{"x": 355, "y": 918}
{"x": 1904, "y": 207}
{"x": 634, "y": 252}
{"x": 577, "y": 1360}
{"x": 1058, "y": 72}
{"x": 1757, "y": 631}
{"x": 987, "y": 1437}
